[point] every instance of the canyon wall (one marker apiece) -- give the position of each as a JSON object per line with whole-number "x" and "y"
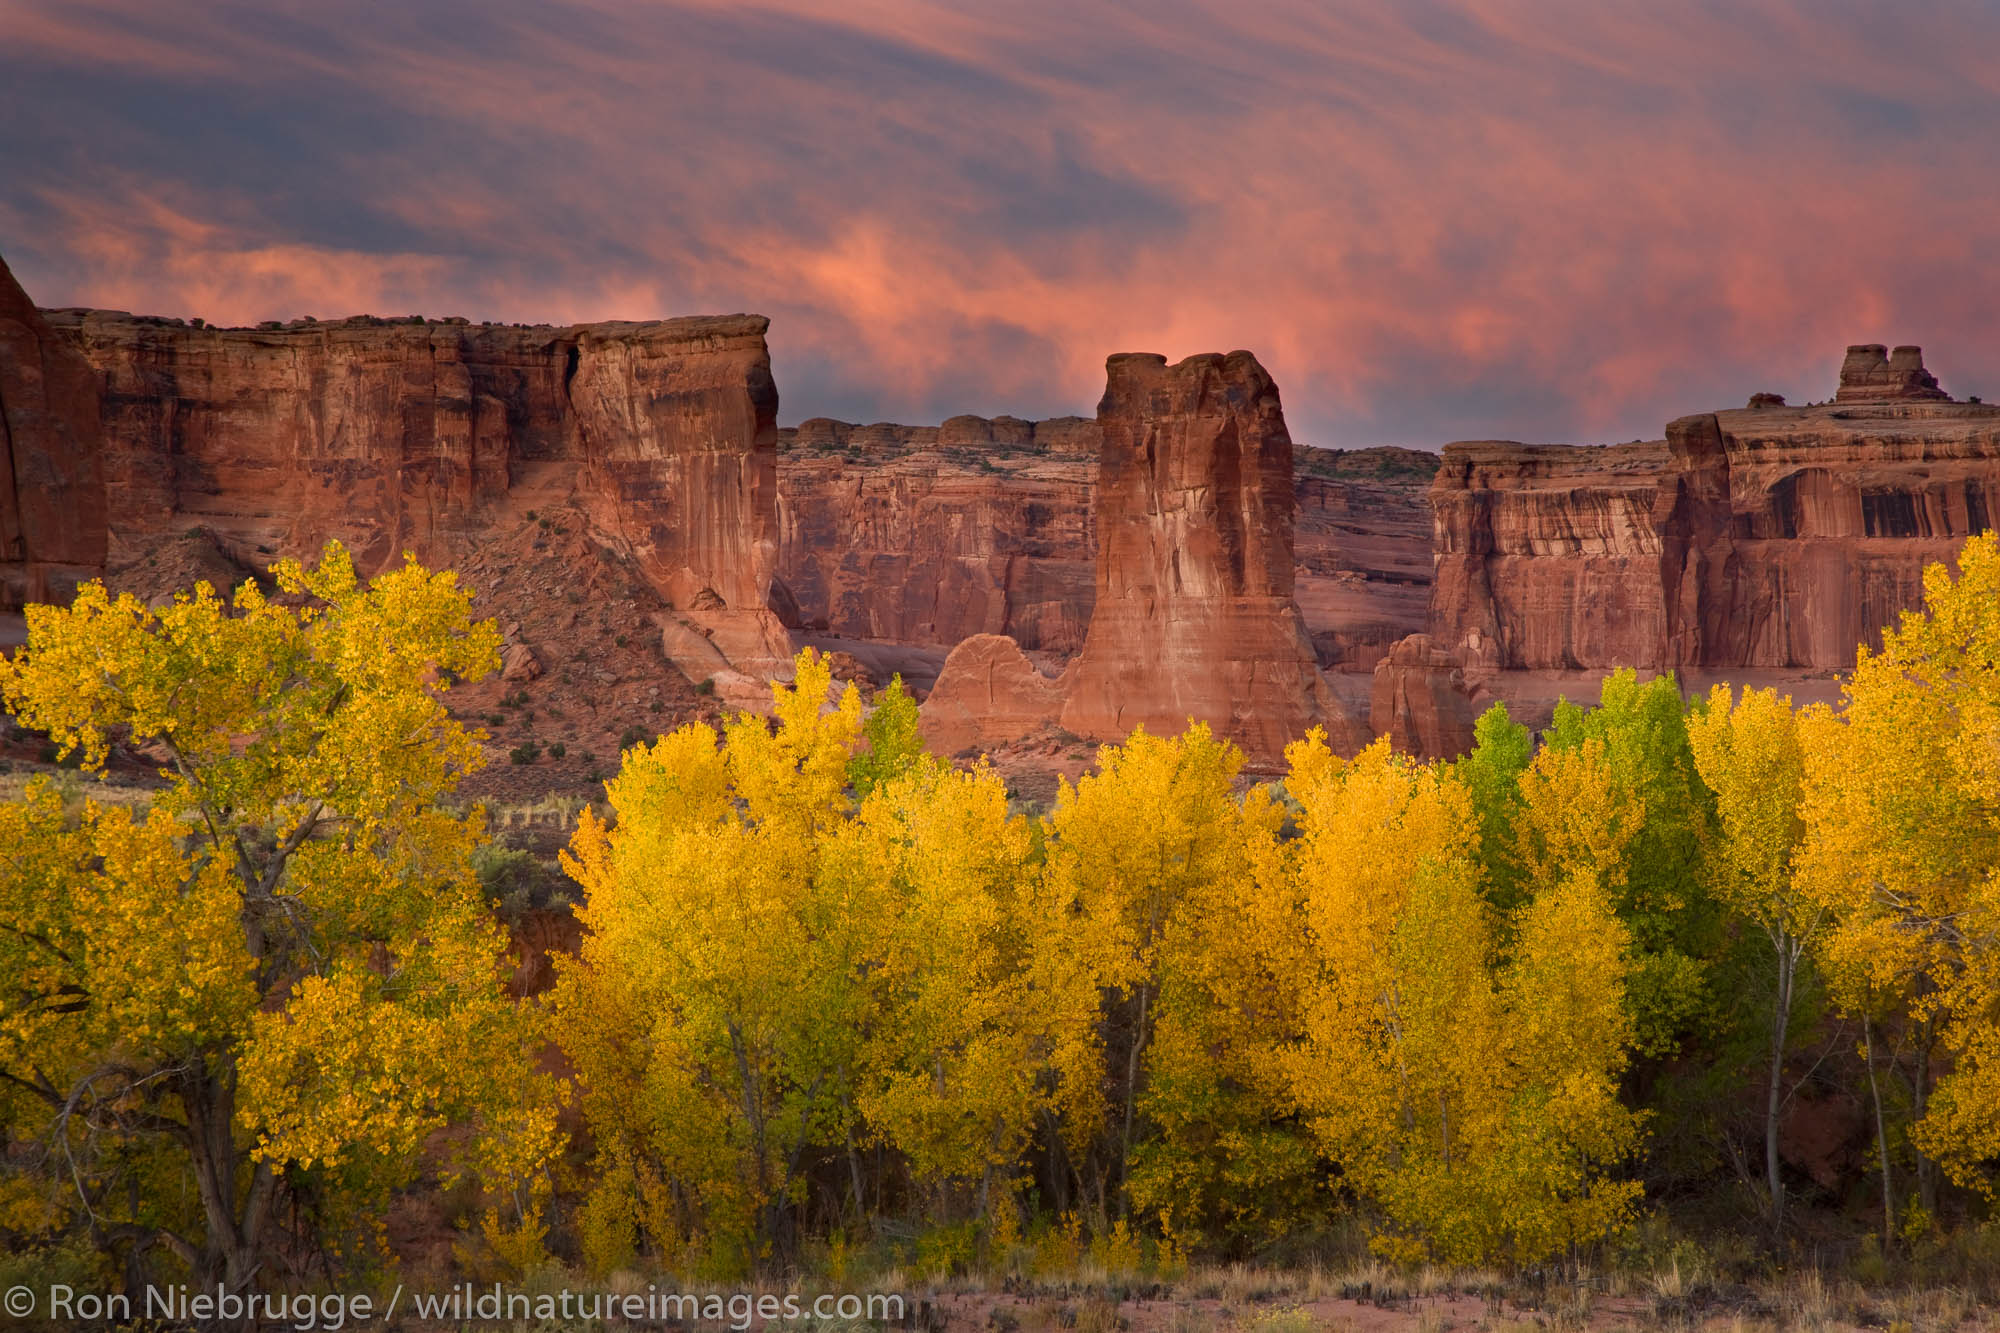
{"x": 392, "y": 434}
{"x": 625, "y": 501}
{"x": 1768, "y": 538}
{"x": 933, "y": 534}
{"x": 1361, "y": 546}
{"x": 52, "y": 518}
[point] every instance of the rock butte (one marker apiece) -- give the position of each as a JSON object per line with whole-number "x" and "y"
{"x": 1766, "y": 538}
{"x": 1176, "y": 556}
{"x": 1193, "y": 614}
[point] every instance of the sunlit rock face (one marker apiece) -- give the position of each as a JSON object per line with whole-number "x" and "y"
{"x": 452, "y": 441}
{"x": 388, "y": 434}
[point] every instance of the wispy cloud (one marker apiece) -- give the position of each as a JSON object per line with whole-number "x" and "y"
{"x": 1551, "y": 220}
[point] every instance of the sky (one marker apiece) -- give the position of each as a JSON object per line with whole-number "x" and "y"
{"x": 1430, "y": 219}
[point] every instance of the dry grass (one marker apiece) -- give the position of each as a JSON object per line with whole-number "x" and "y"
{"x": 1288, "y": 1319}
{"x": 558, "y": 811}
{"x": 75, "y": 787}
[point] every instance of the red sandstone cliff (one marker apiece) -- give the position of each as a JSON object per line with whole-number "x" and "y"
{"x": 622, "y": 498}
{"x": 1361, "y": 545}
{"x": 607, "y": 490}
{"x": 932, "y": 534}
{"x": 390, "y": 434}
{"x": 1764, "y": 538}
{"x": 52, "y": 521}
{"x": 437, "y": 437}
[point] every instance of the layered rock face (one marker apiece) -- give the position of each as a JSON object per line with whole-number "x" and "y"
{"x": 388, "y": 435}
{"x": 930, "y": 534}
{"x": 435, "y": 436}
{"x": 935, "y": 534}
{"x": 52, "y": 519}
{"x": 1361, "y": 547}
{"x": 1195, "y": 615}
{"x": 1767, "y": 538}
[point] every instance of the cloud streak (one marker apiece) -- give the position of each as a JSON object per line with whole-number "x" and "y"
{"x": 1433, "y": 220}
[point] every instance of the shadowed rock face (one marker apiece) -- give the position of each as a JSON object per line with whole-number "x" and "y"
{"x": 933, "y": 534}
{"x": 1195, "y": 616}
{"x": 52, "y": 520}
{"x": 1767, "y": 538}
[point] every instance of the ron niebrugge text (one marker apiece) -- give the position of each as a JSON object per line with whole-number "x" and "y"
{"x": 333, "y": 1311}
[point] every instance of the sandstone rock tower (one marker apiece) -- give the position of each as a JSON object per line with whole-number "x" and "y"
{"x": 1195, "y": 614}
{"x": 1872, "y": 372}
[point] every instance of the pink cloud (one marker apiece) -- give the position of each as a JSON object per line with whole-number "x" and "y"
{"x": 1431, "y": 220}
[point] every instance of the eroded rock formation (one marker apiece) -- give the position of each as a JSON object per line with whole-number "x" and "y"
{"x": 930, "y": 534}
{"x": 989, "y": 693}
{"x": 1422, "y": 700}
{"x": 1766, "y": 538}
{"x": 1195, "y": 615}
{"x": 1871, "y": 372}
{"x": 52, "y": 520}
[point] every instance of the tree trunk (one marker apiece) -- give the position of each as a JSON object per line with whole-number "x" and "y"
{"x": 1131, "y": 1090}
{"x": 1780, "y": 1020}
{"x": 1926, "y": 1172}
{"x": 854, "y": 1175}
{"x": 230, "y": 1255}
{"x": 1881, "y": 1136}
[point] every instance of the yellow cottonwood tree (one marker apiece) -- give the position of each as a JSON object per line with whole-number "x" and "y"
{"x": 954, "y": 1047}
{"x": 1749, "y": 755}
{"x": 1902, "y": 847}
{"x": 1134, "y": 850}
{"x": 280, "y": 980}
{"x": 1472, "y": 1098}
{"x": 716, "y": 1014}
{"x": 1223, "y": 1161}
